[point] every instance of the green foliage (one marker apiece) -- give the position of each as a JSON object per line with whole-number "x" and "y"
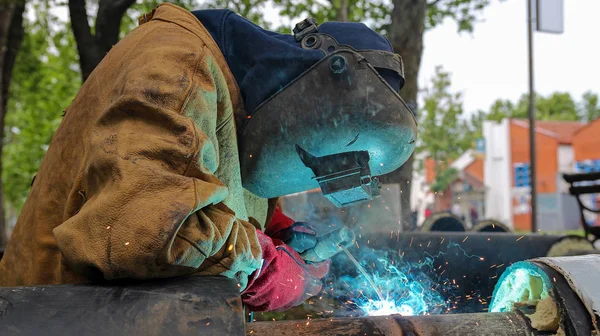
{"x": 130, "y": 19}
{"x": 463, "y": 12}
{"x": 500, "y": 109}
{"x": 443, "y": 179}
{"x": 250, "y": 9}
{"x": 377, "y": 13}
{"x": 443, "y": 134}
{"x": 589, "y": 107}
{"x": 558, "y": 106}
{"x": 45, "y": 79}
{"x": 475, "y": 124}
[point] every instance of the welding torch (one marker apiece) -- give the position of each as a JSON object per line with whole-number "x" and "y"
{"x": 329, "y": 245}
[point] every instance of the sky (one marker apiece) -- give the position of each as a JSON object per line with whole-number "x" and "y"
{"x": 491, "y": 62}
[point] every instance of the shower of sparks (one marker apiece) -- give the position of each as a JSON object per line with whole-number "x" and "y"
{"x": 406, "y": 287}
{"x": 400, "y": 287}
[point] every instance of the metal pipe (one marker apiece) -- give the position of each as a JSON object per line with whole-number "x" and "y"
{"x": 181, "y": 306}
{"x": 497, "y": 324}
{"x": 443, "y": 222}
{"x": 532, "y": 158}
{"x": 562, "y": 289}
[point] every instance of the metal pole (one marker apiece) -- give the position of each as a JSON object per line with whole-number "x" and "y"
{"x": 532, "y": 159}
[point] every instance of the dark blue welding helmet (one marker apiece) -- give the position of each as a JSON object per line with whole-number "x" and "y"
{"x": 335, "y": 127}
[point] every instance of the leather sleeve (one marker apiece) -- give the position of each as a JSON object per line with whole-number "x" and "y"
{"x": 151, "y": 204}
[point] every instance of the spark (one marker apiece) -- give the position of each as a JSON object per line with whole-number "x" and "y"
{"x": 464, "y": 240}
{"x": 406, "y": 289}
{"x": 520, "y": 238}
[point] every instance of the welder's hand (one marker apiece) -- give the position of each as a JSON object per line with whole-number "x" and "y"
{"x": 284, "y": 280}
{"x": 302, "y": 237}
{"x": 329, "y": 245}
{"x": 298, "y": 235}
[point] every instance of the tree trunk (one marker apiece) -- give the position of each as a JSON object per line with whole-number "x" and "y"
{"x": 11, "y": 36}
{"x": 343, "y": 12}
{"x": 92, "y": 47}
{"x": 406, "y": 36}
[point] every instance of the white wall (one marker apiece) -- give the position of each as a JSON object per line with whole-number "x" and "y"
{"x": 566, "y": 164}
{"x": 497, "y": 171}
{"x": 420, "y": 197}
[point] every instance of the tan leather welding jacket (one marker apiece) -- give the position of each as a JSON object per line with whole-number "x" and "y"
{"x": 142, "y": 178}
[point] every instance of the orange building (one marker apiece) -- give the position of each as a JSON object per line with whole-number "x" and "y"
{"x": 547, "y": 168}
{"x": 508, "y": 160}
{"x": 586, "y": 146}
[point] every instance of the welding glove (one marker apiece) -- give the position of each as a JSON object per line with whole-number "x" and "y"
{"x": 303, "y": 238}
{"x": 284, "y": 280}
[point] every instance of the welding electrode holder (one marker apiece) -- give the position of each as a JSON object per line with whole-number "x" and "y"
{"x": 329, "y": 245}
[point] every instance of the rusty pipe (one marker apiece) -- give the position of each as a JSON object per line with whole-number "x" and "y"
{"x": 480, "y": 324}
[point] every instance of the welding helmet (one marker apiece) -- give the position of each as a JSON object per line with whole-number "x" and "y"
{"x": 335, "y": 126}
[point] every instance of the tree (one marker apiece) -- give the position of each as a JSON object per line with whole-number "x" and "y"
{"x": 130, "y": 19}
{"x": 250, "y": 9}
{"x": 475, "y": 124}
{"x": 558, "y": 106}
{"x": 11, "y": 35}
{"x": 501, "y": 109}
{"x": 92, "y": 46}
{"x": 444, "y": 136}
{"x": 45, "y": 80}
{"x": 589, "y": 107}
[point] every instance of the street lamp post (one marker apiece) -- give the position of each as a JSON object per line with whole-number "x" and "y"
{"x": 547, "y": 15}
{"x": 532, "y": 151}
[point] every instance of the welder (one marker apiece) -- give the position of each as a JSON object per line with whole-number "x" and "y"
{"x": 171, "y": 157}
